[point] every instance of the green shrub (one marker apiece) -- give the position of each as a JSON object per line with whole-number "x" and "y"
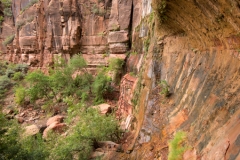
{"x": 40, "y": 86}
{"x": 160, "y": 10}
{"x": 77, "y": 62}
{"x": 1, "y": 19}
{"x": 6, "y": 3}
{"x": 8, "y": 40}
{"x": 101, "y": 86}
{"x": 116, "y": 64}
{"x": 96, "y": 10}
{"x": 21, "y": 68}
{"x": 20, "y": 94}
{"x": 91, "y": 128}
{"x": 164, "y": 88}
{"x": 146, "y": 43}
{"x": 14, "y": 147}
{"x": 7, "y": 12}
{"x": 10, "y": 73}
{"x": 5, "y": 83}
{"x": 7, "y": 7}
{"x": 18, "y": 76}
{"x": 20, "y": 23}
{"x": 177, "y": 146}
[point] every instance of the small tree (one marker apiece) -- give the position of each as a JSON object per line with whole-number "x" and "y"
{"x": 91, "y": 127}
{"x": 101, "y": 86}
{"x": 40, "y": 86}
{"x": 20, "y": 94}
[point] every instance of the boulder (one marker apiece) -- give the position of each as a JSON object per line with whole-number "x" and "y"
{"x": 55, "y": 119}
{"x": 31, "y": 130}
{"x": 103, "y": 108}
{"x": 20, "y": 119}
{"x": 7, "y": 111}
{"x": 55, "y": 126}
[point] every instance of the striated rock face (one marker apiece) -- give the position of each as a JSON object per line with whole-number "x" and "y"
{"x": 98, "y": 29}
{"x": 125, "y": 106}
{"x": 193, "y": 46}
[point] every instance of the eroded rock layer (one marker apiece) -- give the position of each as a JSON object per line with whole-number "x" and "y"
{"x": 47, "y": 29}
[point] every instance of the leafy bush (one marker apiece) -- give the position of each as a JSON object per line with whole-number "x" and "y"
{"x": 40, "y": 85}
{"x": 15, "y": 148}
{"x": 101, "y": 86}
{"x": 96, "y": 10}
{"x": 6, "y": 3}
{"x": 21, "y": 68}
{"x": 3, "y": 67}
{"x": 77, "y": 62}
{"x": 7, "y": 7}
{"x": 20, "y": 23}
{"x": 91, "y": 127}
{"x": 160, "y": 10}
{"x": 20, "y": 94}
{"x": 8, "y": 40}
{"x": 10, "y": 73}
{"x": 18, "y": 76}
{"x": 7, "y": 12}
{"x": 5, "y": 83}
{"x": 177, "y": 146}
{"x": 116, "y": 65}
{"x": 164, "y": 88}
{"x": 146, "y": 44}
{"x": 1, "y": 19}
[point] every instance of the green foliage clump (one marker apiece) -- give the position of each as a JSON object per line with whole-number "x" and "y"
{"x": 160, "y": 10}
{"x": 20, "y": 94}
{"x": 10, "y": 73}
{"x": 177, "y": 146}
{"x": 14, "y": 147}
{"x": 96, "y": 10}
{"x": 18, "y": 76}
{"x": 101, "y": 87}
{"x": 31, "y": 2}
{"x": 5, "y": 83}
{"x": 7, "y": 7}
{"x": 77, "y": 62}
{"x": 8, "y": 40}
{"x": 60, "y": 83}
{"x": 20, "y": 23}
{"x": 146, "y": 43}
{"x": 21, "y": 68}
{"x": 164, "y": 88}
{"x": 7, "y": 3}
{"x": 40, "y": 85}
{"x": 91, "y": 127}
{"x": 116, "y": 66}
{"x": 1, "y": 19}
